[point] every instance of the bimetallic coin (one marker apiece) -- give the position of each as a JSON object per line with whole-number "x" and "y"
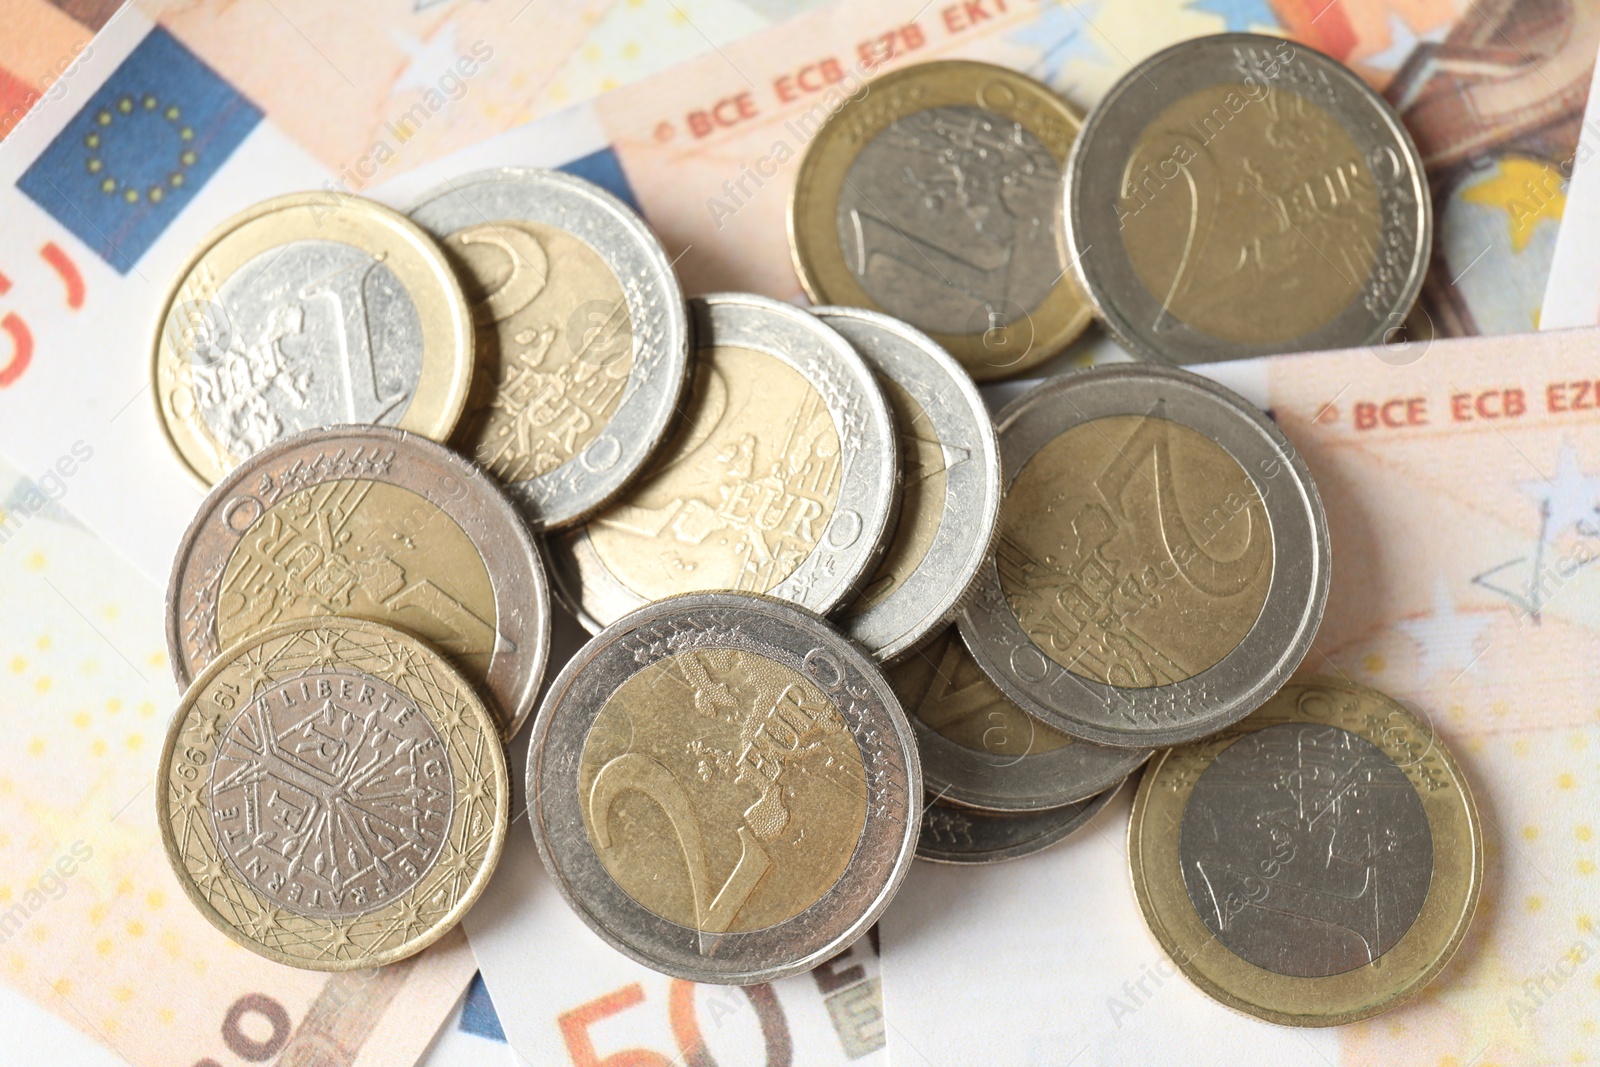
{"x": 332, "y": 794}
{"x": 724, "y": 788}
{"x": 372, "y": 523}
{"x": 1313, "y": 865}
{"x": 783, "y": 477}
{"x": 950, "y": 502}
{"x": 933, "y": 196}
{"x": 1240, "y": 195}
{"x": 953, "y": 834}
{"x": 583, "y": 340}
{"x": 979, "y": 750}
{"x": 1162, "y": 562}
{"x": 305, "y": 311}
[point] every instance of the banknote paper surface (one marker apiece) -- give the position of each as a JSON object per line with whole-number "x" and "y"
{"x": 1462, "y": 484}
{"x": 1572, "y": 294}
{"x": 708, "y": 150}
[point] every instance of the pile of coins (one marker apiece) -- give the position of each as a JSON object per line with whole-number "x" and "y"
{"x": 842, "y": 617}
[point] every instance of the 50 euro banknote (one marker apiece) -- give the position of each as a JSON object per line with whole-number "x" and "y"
{"x": 1462, "y": 486}
{"x": 708, "y": 151}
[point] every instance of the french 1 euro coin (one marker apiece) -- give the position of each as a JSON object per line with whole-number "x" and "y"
{"x": 1315, "y": 864}
{"x": 979, "y": 750}
{"x": 332, "y": 794}
{"x": 953, "y": 834}
{"x": 310, "y": 310}
{"x": 950, "y": 500}
{"x": 783, "y": 476}
{"x": 933, "y": 196}
{"x": 582, "y": 336}
{"x": 372, "y": 523}
{"x": 1241, "y": 195}
{"x": 724, "y": 788}
{"x": 1162, "y": 563}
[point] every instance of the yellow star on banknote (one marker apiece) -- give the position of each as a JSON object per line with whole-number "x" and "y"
{"x": 1530, "y": 191}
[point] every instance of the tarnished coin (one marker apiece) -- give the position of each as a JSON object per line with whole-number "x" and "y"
{"x": 311, "y": 310}
{"x": 783, "y": 476}
{"x": 372, "y": 523}
{"x": 953, "y": 834}
{"x": 1315, "y": 864}
{"x": 724, "y": 788}
{"x": 1162, "y": 562}
{"x": 1240, "y": 195}
{"x": 980, "y": 750}
{"x": 332, "y": 794}
{"x": 583, "y": 340}
{"x": 950, "y": 502}
{"x": 933, "y": 196}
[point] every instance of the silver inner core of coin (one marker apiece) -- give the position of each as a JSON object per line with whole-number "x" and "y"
{"x": 331, "y": 794}
{"x": 313, "y": 333}
{"x": 947, "y": 220}
{"x": 1305, "y": 850}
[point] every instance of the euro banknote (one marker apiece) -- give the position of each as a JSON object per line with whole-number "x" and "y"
{"x": 1462, "y": 487}
{"x": 707, "y": 150}
{"x": 94, "y": 927}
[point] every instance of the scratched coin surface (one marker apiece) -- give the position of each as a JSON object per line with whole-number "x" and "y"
{"x": 1314, "y": 864}
{"x": 372, "y": 523}
{"x": 783, "y": 476}
{"x": 932, "y": 195}
{"x": 582, "y": 336}
{"x": 1162, "y": 562}
{"x": 955, "y": 834}
{"x": 1240, "y": 195}
{"x": 950, "y": 500}
{"x": 979, "y": 750}
{"x": 304, "y": 311}
{"x": 725, "y": 788}
{"x": 332, "y": 794}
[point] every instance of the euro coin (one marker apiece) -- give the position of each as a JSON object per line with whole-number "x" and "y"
{"x": 1241, "y": 195}
{"x": 373, "y": 523}
{"x": 953, "y": 834}
{"x": 304, "y": 311}
{"x": 1162, "y": 563}
{"x": 582, "y": 336}
{"x": 950, "y": 498}
{"x": 932, "y": 196}
{"x": 980, "y": 750}
{"x": 332, "y": 794}
{"x": 724, "y": 788}
{"x": 1313, "y": 865}
{"x": 783, "y": 476}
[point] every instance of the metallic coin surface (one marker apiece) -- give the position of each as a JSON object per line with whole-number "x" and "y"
{"x": 1314, "y": 864}
{"x": 950, "y": 500}
{"x": 953, "y": 834}
{"x": 582, "y": 336}
{"x": 725, "y": 788}
{"x": 332, "y": 794}
{"x": 979, "y": 750}
{"x": 932, "y": 196}
{"x": 372, "y": 523}
{"x": 783, "y": 476}
{"x": 305, "y": 311}
{"x": 1240, "y": 195}
{"x": 1162, "y": 563}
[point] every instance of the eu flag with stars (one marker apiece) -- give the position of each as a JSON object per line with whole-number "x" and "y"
{"x": 128, "y": 163}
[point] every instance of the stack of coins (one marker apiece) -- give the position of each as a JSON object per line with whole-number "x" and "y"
{"x": 842, "y": 617}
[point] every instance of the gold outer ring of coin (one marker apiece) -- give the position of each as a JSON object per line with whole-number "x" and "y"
{"x": 476, "y": 757}
{"x": 448, "y": 359}
{"x": 1412, "y": 962}
{"x": 813, "y": 226}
